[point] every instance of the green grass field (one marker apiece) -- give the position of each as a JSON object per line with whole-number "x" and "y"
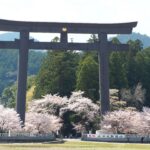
{"x": 74, "y": 145}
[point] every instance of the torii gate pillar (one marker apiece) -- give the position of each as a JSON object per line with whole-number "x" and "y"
{"x": 103, "y": 54}
{"x": 22, "y": 74}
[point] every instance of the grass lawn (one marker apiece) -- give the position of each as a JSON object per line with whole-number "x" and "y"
{"x": 77, "y": 145}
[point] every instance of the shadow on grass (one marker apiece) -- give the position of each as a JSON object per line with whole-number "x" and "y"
{"x": 57, "y": 141}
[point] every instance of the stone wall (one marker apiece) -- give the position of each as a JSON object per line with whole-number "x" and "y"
{"x": 116, "y": 138}
{"x": 26, "y": 137}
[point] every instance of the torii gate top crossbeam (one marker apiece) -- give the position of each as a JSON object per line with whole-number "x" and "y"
{"x": 53, "y": 27}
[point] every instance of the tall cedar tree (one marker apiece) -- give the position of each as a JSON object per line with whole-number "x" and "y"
{"x": 57, "y": 74}
{"x": 143, "y": 64}
{"x": 117, "y": 69}
{"x": 131, "y": 64}
{"x": 87, "y": 76}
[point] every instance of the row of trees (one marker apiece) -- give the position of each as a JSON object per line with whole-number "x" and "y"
{"x": 73, "y": 116}
{"x": 53, "y": 113}
{"x": 35, "y": 123}
{"x": 77, "y": 113}
{"x": 64, "y": 72}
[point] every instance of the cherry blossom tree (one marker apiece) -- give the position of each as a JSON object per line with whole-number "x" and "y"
{"x": 37, "y": 123}
{"x": 81, "y": 114}
{"x": 127, "y": 122}
{"x": 9, "y": 120}
{"x": 50, "y": 104}
{"x": 85, "y": 111}
{"x": 77, "y": 111}
{"x": 146, "y": 120}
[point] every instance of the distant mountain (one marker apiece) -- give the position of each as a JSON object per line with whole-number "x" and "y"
{"x": 10, "y": 36}
{"x": 144, "y": 38}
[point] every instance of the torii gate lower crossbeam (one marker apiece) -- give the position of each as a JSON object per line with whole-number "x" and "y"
{"x": 102, "y": 46}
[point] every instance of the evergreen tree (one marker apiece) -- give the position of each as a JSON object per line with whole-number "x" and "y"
{"x": 117, "y": 62}
{"x": 57, "y": 74}
{"x": 131, "y": 65}
{"x": 8, "y": 98}
{"x": 143, "y": 69}
{"x": 87, "y": 77}
{"x": 9, "y": 94}
{"x": 9, "y": 63}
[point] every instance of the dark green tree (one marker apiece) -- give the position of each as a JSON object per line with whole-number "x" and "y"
{"x": 117, "y": 62}
{"x": 9, "y": 94}
{"x": 8, "y": 68}
{"x": 93, "y": 38}
{"x": 8, "y": 98}
{"x": 9, "y": 63}
{"x": 57, "y": 74}
{"x": 35, "y": 60}
{"x": 143, "y": 69}
{"x": 131, "y": 65}
{"x": 87, "y": 77}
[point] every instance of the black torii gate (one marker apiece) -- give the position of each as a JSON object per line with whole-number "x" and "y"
{"x": 102, "y": 46}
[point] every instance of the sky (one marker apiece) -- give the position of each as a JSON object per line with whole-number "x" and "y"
{"x": 87, "y": 11}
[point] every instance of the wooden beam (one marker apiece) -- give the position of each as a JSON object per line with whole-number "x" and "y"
{"x": 9, "y": 44}
{"x": 118, "y": 47}
{"x": 62, "y": 46}
{"x": 56, "y": 27}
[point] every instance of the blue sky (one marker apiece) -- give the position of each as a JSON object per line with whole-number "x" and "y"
{"x": 92, "y": 11}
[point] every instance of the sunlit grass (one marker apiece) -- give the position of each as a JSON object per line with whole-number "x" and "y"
{"x": 75, "y": 145}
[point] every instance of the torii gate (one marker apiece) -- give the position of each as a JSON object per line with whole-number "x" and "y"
{"x": 102, "y": 46}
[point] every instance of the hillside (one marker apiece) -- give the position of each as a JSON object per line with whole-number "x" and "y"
{"x": 144, "y": 38}
{"x": 9, "y": 58}
{"x": 10, "y": 36}
{"x": 8, "y": 66}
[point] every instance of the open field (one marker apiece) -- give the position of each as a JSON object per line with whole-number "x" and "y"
{"x": 77, "y": 145}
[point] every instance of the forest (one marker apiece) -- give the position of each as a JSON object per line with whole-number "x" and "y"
{"x": 64, "y": 87}
{"x": 68, "y": 71}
